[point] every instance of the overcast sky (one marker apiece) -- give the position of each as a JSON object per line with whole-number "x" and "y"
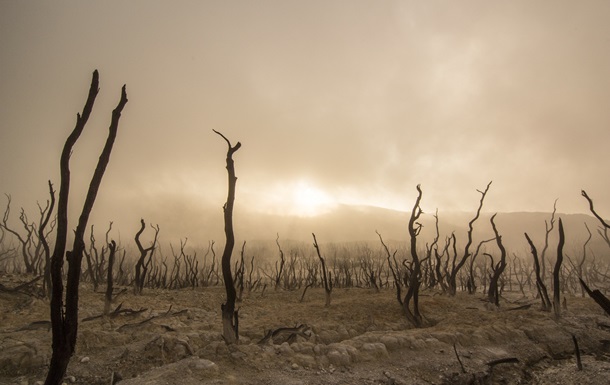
{"x": 333, "y": 101}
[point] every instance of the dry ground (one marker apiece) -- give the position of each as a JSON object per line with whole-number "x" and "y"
{"x": 362, "y": 338}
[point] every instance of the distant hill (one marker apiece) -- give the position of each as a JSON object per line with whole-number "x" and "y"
{"x": 347, "y": 223}
{"x": 359, "y": 223}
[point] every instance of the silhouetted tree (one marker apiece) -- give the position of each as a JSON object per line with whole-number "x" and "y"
{"x": 603, "y": 232}
{"x": 549, "y": 226}
{"x": 64, "y": 319}
{"x": 230, "y": 320}
{"x": 452, "y": 279}
{"x": 46, "y": 286}
{"x": 143, "y": 263}
{"x": 278, "y": 271}
{"x": 414, "y": 281}
{"x": 326, "y": 275}
{"x": 542, "y": 291}
{"x": 493, "y": 295}
{"x": 109, "y": 277}
{"x": 556, "y": 271}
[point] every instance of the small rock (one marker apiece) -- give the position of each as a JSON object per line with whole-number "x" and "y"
{"x": 84, "y": 360}
{"x": 71, "y": 379}
{"x": 295, "y": 366}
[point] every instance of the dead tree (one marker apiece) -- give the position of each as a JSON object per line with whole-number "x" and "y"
{"x": 278, "y": 272}
{"x": 601, "y": 300}
{"x": 230, "y": 320}
{"x": 46, "y": 285}
{"x": 109, "y": 277}
{"x": 393, "y": 268}
{"x": 25, "y": 240}
{"x": 549, "y": 226}
{"x": 471, "y": 284}
{"x": 240, "y": 272}
{"x": 64, "y": 319}
{"x": 89, "y": 255}
{"x": 493, "y": 295}
{"x": 414, "y": 281}
{"x": 452, "y": 279}
{"x": 603, "y": 232}
{"x": 556, "y": 271}
{"x": 96, "y": 260}
{"x": 143, "y": 263}
{"x": 542, "y": 291}
{"x": 326, "y": 276}
{"x": 207, "y": 274}
{"x": 433, "y": 247}
{"x": 579, "y": 267}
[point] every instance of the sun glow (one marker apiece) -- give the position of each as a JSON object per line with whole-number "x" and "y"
{"x": 298, "y": 197}
{"x": 308, "y": 200}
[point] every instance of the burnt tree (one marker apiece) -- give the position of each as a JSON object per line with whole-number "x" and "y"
{"x": 280, "y": 270}
{"x": 230, "y": 320}
{"x": 326, "y": 276}
{"x": 414, "y": 280}
{"x": 601, "y": 300}
{"x": 605, "y": 226}
{"x": 391, "y": 257}
{"x": 45, "y": 245}
{"x": 556, "y": 271}
{"x": 542, "y": 291}
{"x": 452, "y": 279}
{"x": 64, "y": 318}
{"x": 143, "y": 263}
{"x": 471, "y": 285}
{"x": 109, "y": 277}
{"x": 549, "y": 226}
{"x": 493, "y": 295}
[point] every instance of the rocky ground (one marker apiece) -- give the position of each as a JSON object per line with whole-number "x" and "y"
{"x": 362, "y": 338}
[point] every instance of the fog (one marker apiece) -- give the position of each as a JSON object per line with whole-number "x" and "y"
{"x": 334, "y": 102}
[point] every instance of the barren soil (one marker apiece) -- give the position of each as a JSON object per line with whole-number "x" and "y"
{"x": 362, "y": 338}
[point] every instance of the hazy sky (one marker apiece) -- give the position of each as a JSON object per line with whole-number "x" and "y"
{"x": 333, "y": 101}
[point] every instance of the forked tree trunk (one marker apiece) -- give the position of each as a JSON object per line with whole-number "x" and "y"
{"x": 452, "y": 278}
{"x": 230, "y": 320}
{"x": 143, "y": 263}
{"x": 64, "y": 320}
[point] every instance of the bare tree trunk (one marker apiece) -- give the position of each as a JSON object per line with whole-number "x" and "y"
{"x": 414, "y": 315}
{"x": 549, "y": 226}
{"x": 230, "y": 320}
{"x": 64, "y": 322}
{"x": 556, "y": 271}
{"x": 142, "y": 264}
{"x": 279, "y": 271}
{"x": 47, "y": 251}
{"x": 393, "y": 269}
{"x": 493, "y": 295}
{"x": 109, "y": 280}
{"x": 544, "y": 295}
{"x": 326, "y": 277}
